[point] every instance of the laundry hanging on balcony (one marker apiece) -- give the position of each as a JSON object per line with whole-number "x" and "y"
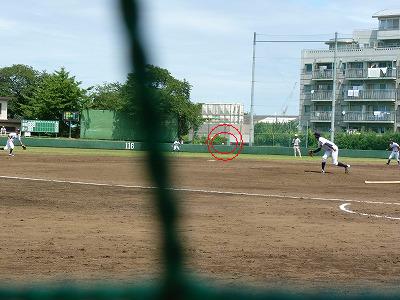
{"x": 374, "y": 72}
{"x": 377, "y": 72}
{"x": 353, "y": 93}
{"x": 383, "y": 72}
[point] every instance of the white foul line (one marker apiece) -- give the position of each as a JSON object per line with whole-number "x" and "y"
{"x": 78, "y": 182}
{"x": 342, "y": 207}
{"x": 383, "y": 182}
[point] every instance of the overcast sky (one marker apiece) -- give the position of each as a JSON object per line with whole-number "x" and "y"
{"x": 206, "y": 42}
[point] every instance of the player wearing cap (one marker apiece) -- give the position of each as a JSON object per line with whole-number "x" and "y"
{"x": 330, "y": 150}
{"x": 296, "y": 145}
{"x": 395, "y": 152}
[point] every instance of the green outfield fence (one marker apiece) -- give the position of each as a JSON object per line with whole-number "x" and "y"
{"x": 174, "y": 283}
{"x": 192, "y": 148}
{"x": 112, "y": 125}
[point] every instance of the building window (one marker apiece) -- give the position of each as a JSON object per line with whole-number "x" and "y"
{"x": 323, "y": 108}
{"x": 389, "y": 24}
{"x": 383, "y": 64}
{"x": 306, "y": 108}
{"x": 308, "y": 68}
{"x": 325, "y": 87}
{"x": 356, "y": 65}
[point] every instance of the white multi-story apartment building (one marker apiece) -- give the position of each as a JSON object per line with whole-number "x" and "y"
{"x": 367, "y": 80}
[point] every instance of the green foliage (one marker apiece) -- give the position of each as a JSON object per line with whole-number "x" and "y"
{"x": 39, "y": 95}
{"x": 171, "y": 95}
{"x": 18, "y": 83}
{"x": 312, "y": 141}
{"x": 359, "y": 141}
{"x": 275, "y": 134}
{"x": 218, "y": 140}
{"x": 288, "y": 127}
{"x": 282, "y": 134}
{"x": 107, "y": 96}
{"x": 56, "y": 93}
{"x": 365, "y": 140}
{"x": 273, "y": 139}
{"x": 199, "y": 140}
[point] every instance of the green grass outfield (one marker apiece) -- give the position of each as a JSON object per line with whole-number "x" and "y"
{"x": 130, "y": 153}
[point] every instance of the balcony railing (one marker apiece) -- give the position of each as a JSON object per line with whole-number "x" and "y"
{"x": 321, "y": 95}
{"x": 392, "y": 27}
{"x": 371, "y": 95}
{"x": 356, "y": 73}
{"x": 320, "y": 116}
{"x": 372, "y": 116}
{"x": 371, "y": 73}
{"x": 322, "y": 74}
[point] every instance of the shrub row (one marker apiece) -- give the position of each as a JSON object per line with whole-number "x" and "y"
{"x": 366, "y": 140}
{"x": 360, "y": 141}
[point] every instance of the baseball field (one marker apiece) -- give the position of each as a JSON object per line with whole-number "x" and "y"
{"x": 269, "y": 221}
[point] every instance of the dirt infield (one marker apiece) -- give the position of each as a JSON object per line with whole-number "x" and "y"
{"x": 264, "y": 223}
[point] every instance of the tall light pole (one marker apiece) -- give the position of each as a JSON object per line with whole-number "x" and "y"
{"x": 251, "y": 131}
{"x": 307, "y": 136}
{"x": 334, "y": 92}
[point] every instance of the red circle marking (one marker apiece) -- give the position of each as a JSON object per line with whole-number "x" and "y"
{"x": 224, "y": 132}
{"x": 211, "y": 147}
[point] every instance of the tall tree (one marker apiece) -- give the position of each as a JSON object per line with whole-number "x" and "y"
{"x": 172, "y": 96}
{"x": 107, "y": 96}
{"x": 18, "y": 82}
{"x": 56, "y": 93}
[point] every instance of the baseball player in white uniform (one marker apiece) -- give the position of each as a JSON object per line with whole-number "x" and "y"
{"x": 330, "y": 150}
{"x": 395, "y": 152}
{"x": 10, "y": 141}
{"x": 175, "y": 146}
{"x": 296, "y": 145}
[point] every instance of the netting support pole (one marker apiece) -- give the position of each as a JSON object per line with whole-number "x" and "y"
{"x": 251, "y": 131}
{"x": 150, "y": 120}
